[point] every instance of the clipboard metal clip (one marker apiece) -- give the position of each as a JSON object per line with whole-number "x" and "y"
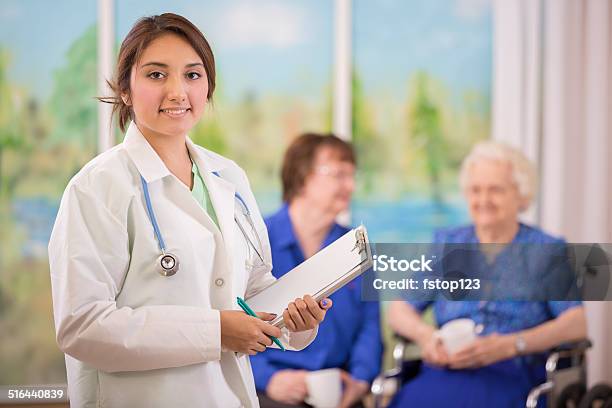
{"x": 360, "y": 241}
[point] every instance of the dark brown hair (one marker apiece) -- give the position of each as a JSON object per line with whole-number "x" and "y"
{"x": 140, "y": 36}
{"x": 300, "y": 155}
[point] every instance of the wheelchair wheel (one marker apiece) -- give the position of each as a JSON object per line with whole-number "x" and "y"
{"x": 571, "y": 395}
{"x": 598, "y": 396}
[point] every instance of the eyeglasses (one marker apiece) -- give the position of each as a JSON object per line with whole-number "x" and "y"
{"x": 338, "y": 174}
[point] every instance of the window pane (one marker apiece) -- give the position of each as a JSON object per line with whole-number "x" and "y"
{"x": 48, "y": 121}
{"x": 421, "y": 95}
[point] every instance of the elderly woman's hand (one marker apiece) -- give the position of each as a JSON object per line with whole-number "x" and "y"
{"x": 288, "y": 386}
{"x": 433, "y": 351}
{"x": 353, "y": 390}
{"x": 305, "y": 314}
{"x": 484, "y": 351}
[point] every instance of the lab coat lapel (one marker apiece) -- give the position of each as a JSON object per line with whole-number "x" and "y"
{"x": 180, "y": 195}
{"x": 152, "y": 169}
{"x": 222, "y": 194}
{"x": 221, "y": 191}
{"x": 149, "y": 164}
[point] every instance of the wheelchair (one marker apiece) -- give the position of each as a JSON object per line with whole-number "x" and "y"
{"x": 565, "y": 383}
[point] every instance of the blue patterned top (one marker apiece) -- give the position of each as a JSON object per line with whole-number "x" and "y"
{"x": 348, "y": 338}
{"x": 496, "y": 316}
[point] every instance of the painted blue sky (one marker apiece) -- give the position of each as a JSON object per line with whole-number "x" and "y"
{"x": 37, "y": 35}
{"x": 260, "y": 46}
{"x": 268, "y": 45}
{"x": 276, "y": 46}
{"x": 451, "y": 39}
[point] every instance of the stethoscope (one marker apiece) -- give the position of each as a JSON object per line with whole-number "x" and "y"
{"x": 168, "y": 263}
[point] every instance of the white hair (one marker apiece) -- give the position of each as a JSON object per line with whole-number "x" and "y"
{"x": 523, "y": 170}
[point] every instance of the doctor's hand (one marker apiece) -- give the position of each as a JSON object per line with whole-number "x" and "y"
{"x": 288, "y": 387}
{"x": 484, "y": 351}
{"x": 305, "y": 314}
{"x": 246, "y": 334}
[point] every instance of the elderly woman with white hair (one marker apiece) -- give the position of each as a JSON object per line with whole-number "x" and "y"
{"x": 500, "y": 367}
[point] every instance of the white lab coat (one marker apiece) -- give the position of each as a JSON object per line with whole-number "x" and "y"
{"x": 132, "y": 337}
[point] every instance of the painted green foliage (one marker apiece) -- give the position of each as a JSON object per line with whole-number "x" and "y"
{"x": 415, "y": 144}
{"x": 22, "y": 125}
{"x": 72, "y": 104}
{"x": 209, "y": 133}
{"x": 8, "y": 131}
{"x": 425, "y": 130}
{"x": 364, "y": 136}
{"x": 42, "y": 144}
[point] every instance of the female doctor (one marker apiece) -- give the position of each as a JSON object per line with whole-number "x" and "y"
{"x": 154, "y": 241}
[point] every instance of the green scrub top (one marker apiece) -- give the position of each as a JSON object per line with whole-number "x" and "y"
{"x": 200, "y": 193}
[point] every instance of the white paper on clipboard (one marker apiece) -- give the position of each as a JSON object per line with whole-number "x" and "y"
{"x": 319, "y": 276}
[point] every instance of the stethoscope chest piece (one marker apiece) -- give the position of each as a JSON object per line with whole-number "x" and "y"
{"x": 168, "y": 264}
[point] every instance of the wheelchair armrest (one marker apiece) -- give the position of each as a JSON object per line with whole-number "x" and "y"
{"x": 536, "y": 392}
{"x": 400, "y": 365}
{"x": 575, "y": 346}
{"x": 403, "y": 368}
{"x": 574, "y": 350}
{"x": 398, "y": 350}
{"x": 397, "y": 376}
{"x": 378, "y": 385}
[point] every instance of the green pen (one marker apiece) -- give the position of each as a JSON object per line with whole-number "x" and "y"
{"x": 243, "y": 305}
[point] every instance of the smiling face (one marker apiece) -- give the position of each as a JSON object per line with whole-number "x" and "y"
{"x": 493, "y": 197}
{"x": 331, "y": 183}
{"x": 168, "y": 88}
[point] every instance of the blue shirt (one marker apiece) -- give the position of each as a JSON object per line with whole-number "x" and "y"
{"x": 502, "y": 384}
{"x": 498, "y": 316}
{"x": 348, "y": 338}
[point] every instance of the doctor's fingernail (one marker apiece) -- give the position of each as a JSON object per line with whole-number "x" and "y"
{"x": 273, "y": 315}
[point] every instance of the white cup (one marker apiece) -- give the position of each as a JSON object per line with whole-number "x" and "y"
{"x": 457, "y": 334}
{"x": 324, "y": 388}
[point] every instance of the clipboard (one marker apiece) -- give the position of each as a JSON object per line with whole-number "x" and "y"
{"x": 319, "y": 276}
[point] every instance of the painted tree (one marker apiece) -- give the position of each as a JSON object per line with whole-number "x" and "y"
{"x": 364, "y": 136}
{"x": 425, "y": 130}
{"x": 209, "y": 133}
{"x": 35, "y": 165}
{"x": 72, "y": 104}
{"x": 9, "y": 136}
{"x": 21, "y": 127}
{"x": 250, "y": 144}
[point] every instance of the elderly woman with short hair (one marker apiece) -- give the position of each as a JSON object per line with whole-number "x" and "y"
{"x": 500, "y": 367}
